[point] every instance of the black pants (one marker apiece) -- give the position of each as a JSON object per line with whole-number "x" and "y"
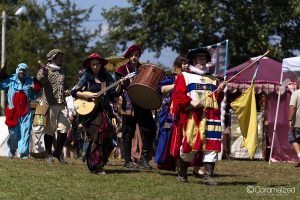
{"x": 147, "y": 127}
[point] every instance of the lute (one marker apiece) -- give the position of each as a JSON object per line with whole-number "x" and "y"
{"x": 86, "y": 106}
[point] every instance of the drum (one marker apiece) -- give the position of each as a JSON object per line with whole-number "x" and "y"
{"x": 142, "y": 89}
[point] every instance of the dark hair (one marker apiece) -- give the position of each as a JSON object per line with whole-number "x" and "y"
{"x": 177, "y": 66}
{"x": 102, "y": 75}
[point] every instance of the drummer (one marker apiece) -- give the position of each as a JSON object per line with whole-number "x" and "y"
{"x": 133, "y": 114}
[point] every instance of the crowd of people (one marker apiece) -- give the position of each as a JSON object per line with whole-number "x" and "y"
{"x": 188, "y": 129}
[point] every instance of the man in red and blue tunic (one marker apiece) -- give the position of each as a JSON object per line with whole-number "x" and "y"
{"x": 196, "y": 114}
{"x": 21, "y": 90}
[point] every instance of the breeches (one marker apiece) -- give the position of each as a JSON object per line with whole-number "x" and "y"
{"x": 57, "y": 120}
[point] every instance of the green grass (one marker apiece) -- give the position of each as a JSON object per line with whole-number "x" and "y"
{"x": 35, "y": 179}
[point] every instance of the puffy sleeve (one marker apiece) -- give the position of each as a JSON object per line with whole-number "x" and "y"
{"x": 179, "y": 98}
{"x": 41, "y": 76}
{"x": 79, "y": 85}
{"x": 167, "y": 81}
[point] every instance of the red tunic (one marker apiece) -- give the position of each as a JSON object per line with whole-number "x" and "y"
{"x": 195, "y": 129}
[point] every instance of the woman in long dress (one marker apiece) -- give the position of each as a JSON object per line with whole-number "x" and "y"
{"x": 98, "y": 123}
{"x": 162, "y": 158}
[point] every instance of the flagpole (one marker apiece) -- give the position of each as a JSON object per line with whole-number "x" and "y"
{"x": 250, "y": 65}
{"x": 276, "y": 117}
{"x": 224, "y": 102}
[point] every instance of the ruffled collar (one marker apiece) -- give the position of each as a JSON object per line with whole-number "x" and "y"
{"x": 198, "y": 71}
{"x": 55, "y": 67}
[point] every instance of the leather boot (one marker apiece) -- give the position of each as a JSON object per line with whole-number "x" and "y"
{"x": 61, "y": 139}
{"x": 209, "y": 170}
{"x": 144, "y": 163}
{"x": 182, "y": 170}
{"x": 48, "y": 139}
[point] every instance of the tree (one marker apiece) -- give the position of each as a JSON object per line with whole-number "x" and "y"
{"x": 24, "y": 37}
{"x": 66, "y": 30}
{"x": 252, "y": 26}
{"x": 56, "y": 24}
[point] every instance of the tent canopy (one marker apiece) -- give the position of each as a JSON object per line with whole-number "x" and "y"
{"x": 291, "y": 64}
{"x": 267, "y": 78}
{"x": 268, "y": 72}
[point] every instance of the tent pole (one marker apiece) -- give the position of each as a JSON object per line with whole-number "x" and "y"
{"x": 276, "y": 117}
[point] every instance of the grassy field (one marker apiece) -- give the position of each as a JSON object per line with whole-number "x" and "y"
{"x": 35, "y": 179}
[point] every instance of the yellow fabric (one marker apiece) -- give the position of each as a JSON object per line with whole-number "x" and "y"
{"x": 206, "y": 97}
{"x": 214, "y": 128}
{"x": 203, "y": 130}
{"x": 245, "y": 108}
{"x": 193, "y": 129}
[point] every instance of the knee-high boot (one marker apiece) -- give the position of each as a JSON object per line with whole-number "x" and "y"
{"x": 61, "y": 139}
{"x": 48, "y": 140}
{"x": 182, "y": 169}
{"x": 209, "y": 171}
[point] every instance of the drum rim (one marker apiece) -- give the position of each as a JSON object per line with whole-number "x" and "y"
{"x": 157, "y": 66}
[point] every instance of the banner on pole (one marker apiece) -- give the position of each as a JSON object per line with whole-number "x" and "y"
{"x": 219, "y": 57}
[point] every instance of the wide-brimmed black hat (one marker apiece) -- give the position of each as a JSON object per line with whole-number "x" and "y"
{"x": 199, "y": 51}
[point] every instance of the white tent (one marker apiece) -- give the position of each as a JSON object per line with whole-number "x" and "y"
{"x": 288, "y": 65}
{"x": 291, "y": 64}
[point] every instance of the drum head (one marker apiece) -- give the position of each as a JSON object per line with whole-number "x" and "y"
{"x": 144, "y": 96}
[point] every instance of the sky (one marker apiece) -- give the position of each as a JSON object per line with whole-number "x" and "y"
{"x": 167, "y": 55}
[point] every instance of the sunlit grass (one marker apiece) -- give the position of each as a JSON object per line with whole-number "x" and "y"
{"x": 35, "y": 179}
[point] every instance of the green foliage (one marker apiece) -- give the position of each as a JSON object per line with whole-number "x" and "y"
{"x": 55, "y": 24}
{"x": 25, "y": 37}
{"x": 65, "y": 29}
{"x": 252, "y": 27}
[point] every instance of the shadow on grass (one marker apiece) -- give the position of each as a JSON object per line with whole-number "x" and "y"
{"x": 189, "y": 174}
{"x": 228, "y": 175}
{"x": 121, "y": 171}
{"x": 115, "y": 164}
{"x": 167, "y": 173}
{"x": 233, "y": 183}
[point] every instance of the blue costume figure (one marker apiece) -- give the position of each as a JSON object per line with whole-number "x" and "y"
{"x": 21, "y": 90}
{"x": 163, "y": 159}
